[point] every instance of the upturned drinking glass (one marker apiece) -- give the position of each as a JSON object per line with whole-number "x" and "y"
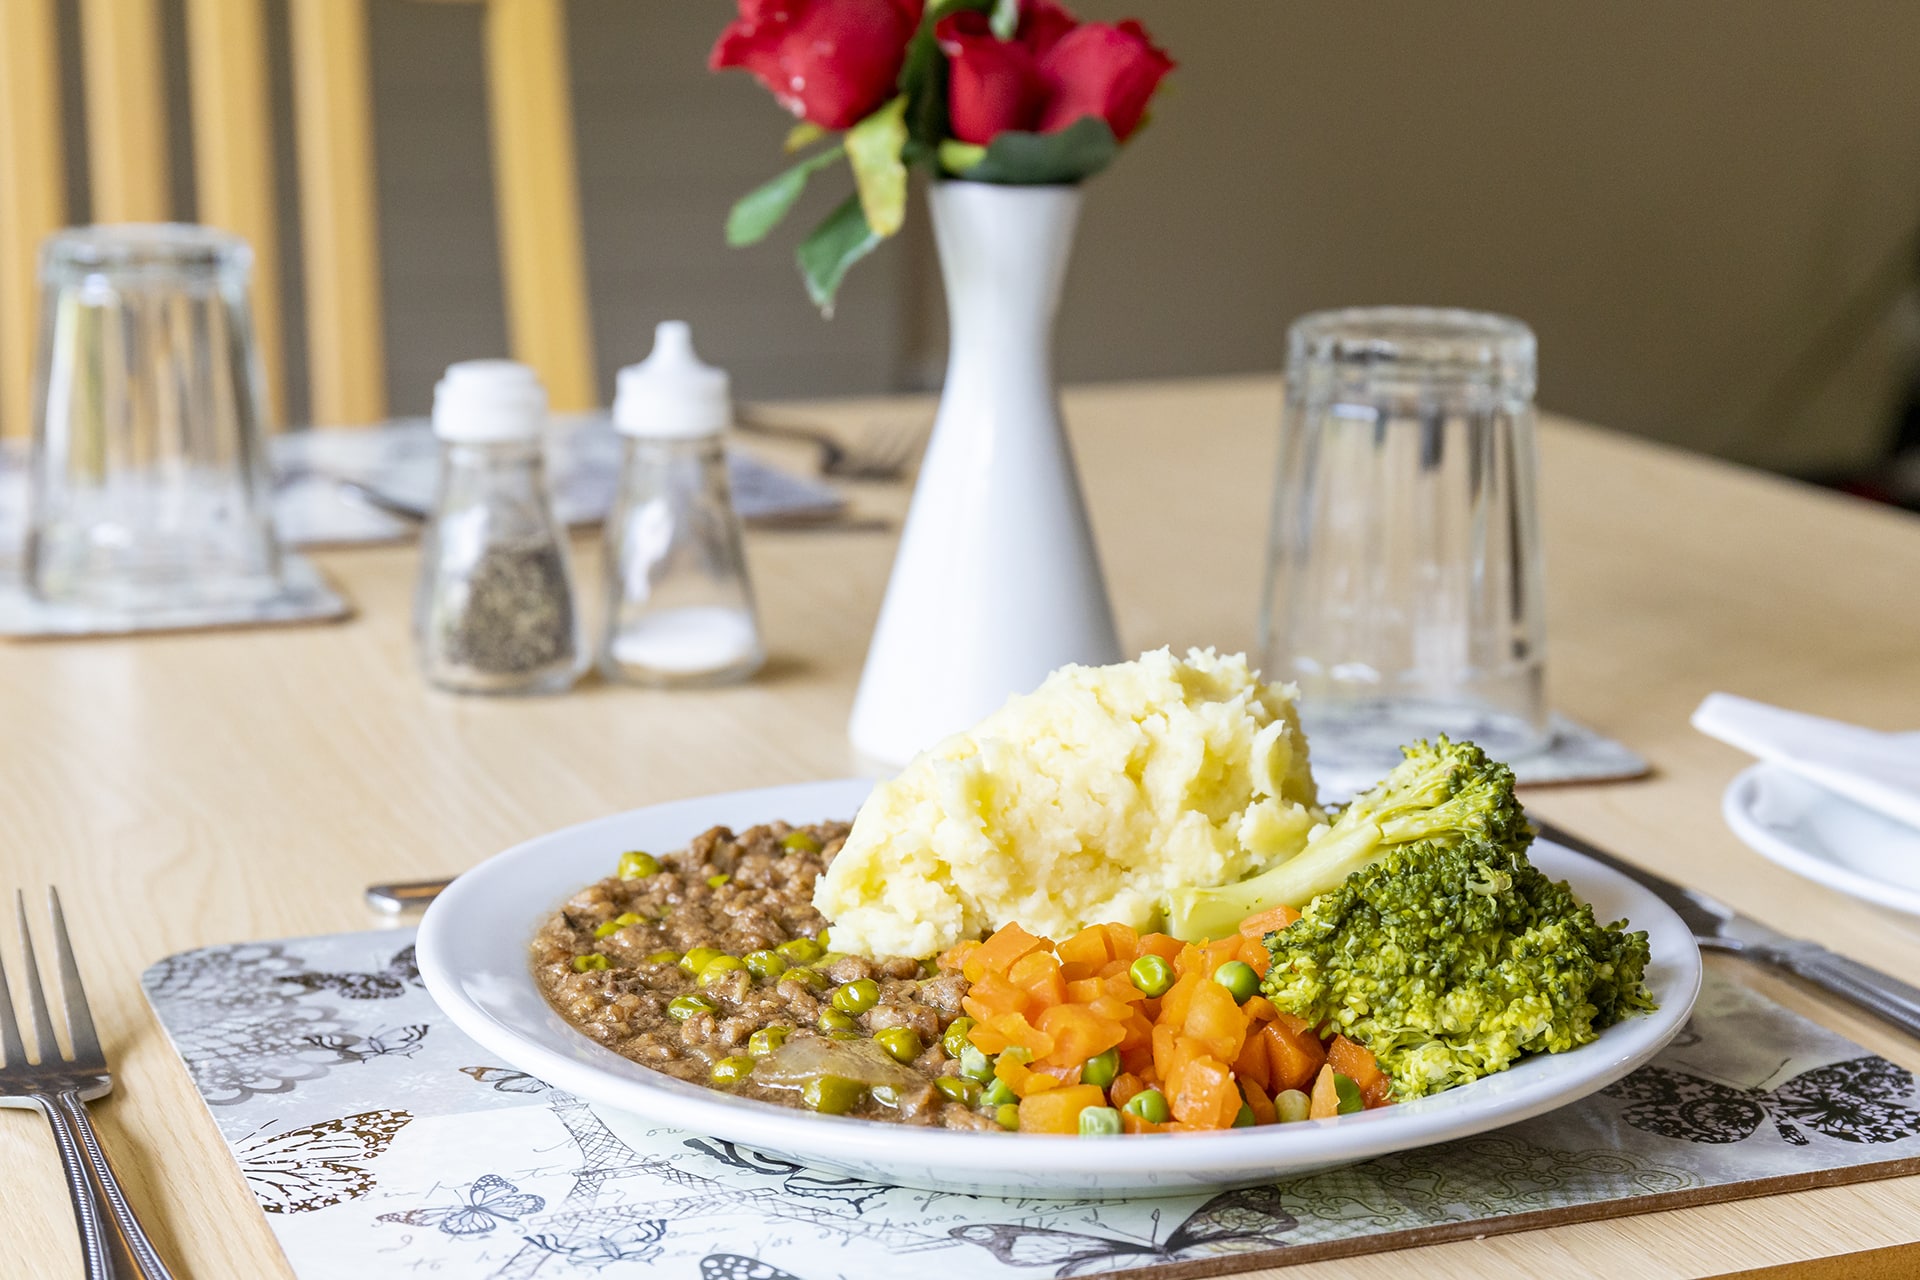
{"x": 149, "y": 487}
{"x": 1404, "y": 569}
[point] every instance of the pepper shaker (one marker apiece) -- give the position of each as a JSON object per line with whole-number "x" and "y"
{"x": 494, "y": 611}
{"x": 679, "y": 607}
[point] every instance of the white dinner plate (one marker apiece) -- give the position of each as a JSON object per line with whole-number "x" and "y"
{"x": 473, "y": 952}
{"x": 1825, "y": 837}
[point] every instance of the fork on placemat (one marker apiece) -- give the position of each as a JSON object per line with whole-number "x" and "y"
{"x": 59, "y": 1086}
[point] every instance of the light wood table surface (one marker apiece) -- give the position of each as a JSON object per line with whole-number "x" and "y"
{"x": 195, "y": 789}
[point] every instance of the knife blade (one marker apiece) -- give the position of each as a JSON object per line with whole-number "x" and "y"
{"x": 1718, "y": 927}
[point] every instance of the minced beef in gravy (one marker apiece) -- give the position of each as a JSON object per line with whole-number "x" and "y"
{"x": 740, "y": 894}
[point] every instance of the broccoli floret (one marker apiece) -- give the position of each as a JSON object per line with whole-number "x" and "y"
{"x": 1444, "y": 791}
{"x": 1450, "y": 959}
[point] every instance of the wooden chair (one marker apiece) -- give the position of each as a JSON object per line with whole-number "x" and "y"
{"x": 535, "y": 180}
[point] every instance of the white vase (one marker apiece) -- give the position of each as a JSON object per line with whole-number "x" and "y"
{"x": 996, "y": 582}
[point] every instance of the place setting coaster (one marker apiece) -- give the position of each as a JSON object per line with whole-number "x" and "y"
{"x": 380, "y": 1141}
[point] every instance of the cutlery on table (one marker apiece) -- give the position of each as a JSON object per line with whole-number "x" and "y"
{"x": 883, "y": 453}
{"x": 1718, "y": 927}
{"x": 59, "y": 1087}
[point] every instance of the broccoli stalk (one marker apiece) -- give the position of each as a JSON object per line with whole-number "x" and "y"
{"x": 1444, "y": 791}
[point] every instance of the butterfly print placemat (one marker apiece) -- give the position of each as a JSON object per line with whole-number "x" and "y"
{"x": 381, "y": 1142}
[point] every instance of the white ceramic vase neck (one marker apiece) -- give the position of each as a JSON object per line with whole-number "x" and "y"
{"x": 997, "y": 581}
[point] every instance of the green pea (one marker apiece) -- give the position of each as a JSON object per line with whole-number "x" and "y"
{"x": 833, "y": 1095}
{"x": 664, "y": 957}
{"x": 1349, "y": 1095}
{"x": 697, "y": 959}
{"x": 811, "y": 979}
{"x": 1150, "y": 1104}
{"x": 1238, "y": 977}
{"x": 901, "y": 1043}
{"x": 718, "y": 968}
{"x": 607, "y": 930}
{"x": 857, "y": 996}
{"x": 765, "y": 964}
{"x": 638, "y": 866}
{"x": 626, "y": 918}
{"x": 954, "y": 1039}
{"x": 801, "y": 951}
{"x": 975, "y": 1065}
{"x": 1152, "y": 974}
{"x": 766, "y": 1040}
{"x": 998, "y": 1094}
{"x": 590, "y": 963}
{"x": 1101, "y": 1069}
{"x": 683, "y": 1007}
{"x": 1292, "y": 1106}
{"x": 799, "y": 842}
{"x": 731, "y": 1070}
{"x": 954, "y": 1089}
{"x": 884, "y": 1094}
{"x": 715, "y": 881}
{"x": 1243, "y": 1118}
{"x": 1008, "y": 1115}
{"x": 834, "y": 1020}
{"x": 825, "y": 939}
{"x": 1099, "y": 1122}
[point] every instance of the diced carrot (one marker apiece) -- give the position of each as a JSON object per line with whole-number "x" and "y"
{"x": 1022, "y": 1079}
{"x": 1294, "y": 1056}
{"x": 1214, "y": 1020}
{"x": 1078, "y": 1034}
{"x": 1257, "y": 1099}
{"x": 1139, "y": 1034}
{"x": 1354, "y": 1062}
{"x": 1038, "y": 973}
{"x": 1230, "y": 1103}
{"x": 1324, "y": 1103}
{"x": 1204, "y": 958}
{"x": 1083, "y": 990}
{"x": 991, "y": 995}
{"x": 1131, "y": 1123}
{"x": 1251, "y": 1065}
{"x": 1294, "y": 1023}
{"x": 1160, "y": 944}
{"x": 1109, "y": 1008}
{"x": 1198, "y": 1091}
{"x": 1123, "y": 941}
{"x": 1377, "y": 1094}
{"x": 1173, "y": 1005}
{"x": 999, "y": 952}
{"x": 1124, "y": 1087}
{"x": 1120, "y": 987}
{"x": 1137, "y": 1059}
{"x": 1019, "y": 1031}
{"x": 1090, "y": 946}
{"x": 1261, "y": 923}
{"x": 1165, "y": 1041}
{"x": 1258, "y": 1009}
{"x": 954, "y": 958}
{"x": 1058, "y": 1110}
{"x": 1255, "y": 955}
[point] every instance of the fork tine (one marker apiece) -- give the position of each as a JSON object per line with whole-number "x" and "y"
{"x": 80, "y": 1032}
{"x": 49, "y": 1050}
{"x": 12, "y": 1052}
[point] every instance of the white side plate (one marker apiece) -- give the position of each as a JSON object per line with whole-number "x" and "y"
{"x": 1825, "y": 837}
{"x": 473, "y": 947}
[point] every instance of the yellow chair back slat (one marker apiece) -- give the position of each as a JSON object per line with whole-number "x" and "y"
{"x": 233, "y": 158}
{"x": 126, "y": 110}
{"x": 32, "y": 191}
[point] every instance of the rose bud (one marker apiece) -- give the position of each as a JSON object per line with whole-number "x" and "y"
{"x": 829, "y": 61}
{"x": 992, "y": 85}
{"x": 1104, "y": 71}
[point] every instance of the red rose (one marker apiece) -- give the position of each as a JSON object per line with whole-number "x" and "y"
{"x": 1102, "y": 71}
{"x": 830, "y": 61}
{"x": 992, "y": 85}
{"x": 1042, "y": 23}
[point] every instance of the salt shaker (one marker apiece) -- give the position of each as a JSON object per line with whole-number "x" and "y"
{"x": 494, "y": 611}
{"x": 679, "y": 607}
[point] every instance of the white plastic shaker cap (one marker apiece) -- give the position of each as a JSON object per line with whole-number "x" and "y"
{"x": 672, "y": 394}
{"x": 489, "y": 402}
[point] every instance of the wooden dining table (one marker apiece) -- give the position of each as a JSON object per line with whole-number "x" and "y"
{"x": 184, "y": 790}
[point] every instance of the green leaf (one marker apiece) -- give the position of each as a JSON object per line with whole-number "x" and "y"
{"x": 1006, "y": 18}
{"x": 1078, "y": 151}
{"x": 957, "y": 157}
{"x": 873, "y": 149}
{"x": 836, "y": 244}
{"x": 802, "y": 136}
{"x": 761, "y": 209}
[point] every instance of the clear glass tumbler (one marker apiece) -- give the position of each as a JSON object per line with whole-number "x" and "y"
{"x": 149, "y": 483}
{"x": 1404, "y": 570}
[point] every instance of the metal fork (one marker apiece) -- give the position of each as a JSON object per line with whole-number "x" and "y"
{"x": 883, "y": 452}
{"x": 59, "y": 1087}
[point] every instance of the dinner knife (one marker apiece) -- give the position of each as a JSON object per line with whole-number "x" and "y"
{"x": 1718, "y": 927}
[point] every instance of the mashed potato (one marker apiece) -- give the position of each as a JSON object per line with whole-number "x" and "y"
{"x": 1087, "y": 800}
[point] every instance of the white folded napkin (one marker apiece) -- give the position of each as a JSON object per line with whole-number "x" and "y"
{"x": 1878, "y": 770}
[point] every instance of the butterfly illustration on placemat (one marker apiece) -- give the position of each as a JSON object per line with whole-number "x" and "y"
{"x": 401, "y": 972}
{"x": 638, "y": 1241}
{"x": 318, "y": 1165}
{"x": 797, "y": 1179}
{"x": 1860, "y": 1100}
{"x": 489, "y": 1201}
{"x": 507, "y": 1080}
{"x": 734, "y": 1266}
{"x": 1250, "y": 1220}
{"x": 396, "y": 1041}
